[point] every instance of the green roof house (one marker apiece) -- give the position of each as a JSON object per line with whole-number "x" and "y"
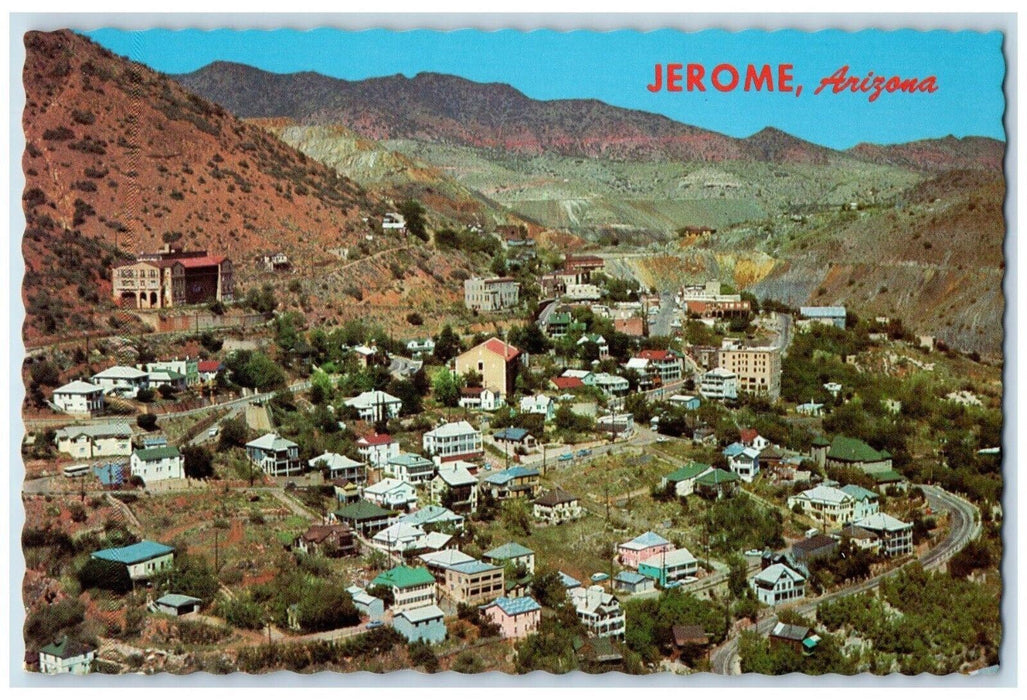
{"x": 142, "y": 559}
{"x": 683, "y": 479}
{"x": 412, "y": 587}
{"x": 850, "y": 452}
{"x": 716, "y": 484}
{"x": 66, "y": 656}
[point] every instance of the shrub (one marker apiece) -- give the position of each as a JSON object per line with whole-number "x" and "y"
{"x": 146, "y": 421}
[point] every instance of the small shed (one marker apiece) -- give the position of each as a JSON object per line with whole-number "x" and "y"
{"x": 177, "y": 605}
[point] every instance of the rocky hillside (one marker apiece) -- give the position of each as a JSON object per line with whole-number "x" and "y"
{"x": 119, "y": 159}
{"x": 937, "y": 155}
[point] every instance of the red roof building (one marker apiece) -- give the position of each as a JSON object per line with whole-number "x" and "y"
{"x": 567, "y": 383}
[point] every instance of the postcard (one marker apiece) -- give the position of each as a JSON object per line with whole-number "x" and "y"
{"x": 655, "y": 352}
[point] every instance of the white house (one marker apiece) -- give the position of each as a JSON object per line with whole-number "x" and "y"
{"x": 400, "y": 537}
{"x": 377, "y": 449}
{"x": 375, "y": 405}
{"x": 865, "y": 502}
{"x": 612, "y": 384}
{"x": 421, "y": 347}
{"x": 896, "y": 536}
{"x": 91, "y": 441}
{"x": 557, "y": 506}
{"x": 66, "y": 656}
{"x": 275, "y": 455}
{"x": 157, "y": 464}
{"x": 411, "y": 468}
{"x": 587, "y": 378}
{"x": 719, "y": 383}
{"x": 539, "y": 404}
{"x": 777, "y": 584}
{"x": 599, "y": 611}
{"x": 455, "y": 479}
{"x": 743, "y": 461}
{"x": 826, "y": 504}
{"x": 391, "y": 493}
{"x": 480, "y": 398}
{"x": 78, "y": 397}
{"x": 340, "y": 467}
{"x": 452, "y": 441}
{"x": 122, "y": 381}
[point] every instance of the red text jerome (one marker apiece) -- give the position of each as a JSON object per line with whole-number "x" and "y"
{"x": 724, "y": 77}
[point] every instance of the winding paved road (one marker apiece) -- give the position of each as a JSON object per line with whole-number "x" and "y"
{"x": 965, "y": 525}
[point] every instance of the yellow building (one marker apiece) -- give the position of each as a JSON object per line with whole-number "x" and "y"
{"x": 495, "y": 361}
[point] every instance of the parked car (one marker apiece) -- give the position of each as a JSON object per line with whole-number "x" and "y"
{"x": 566, "y": 457}
{"x": 753, "y": 552}
{"x": 584, "y": 452}
{"x": 375, "y": 624}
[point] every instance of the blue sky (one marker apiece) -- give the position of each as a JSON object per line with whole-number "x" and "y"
{"x": 615, "y": 67}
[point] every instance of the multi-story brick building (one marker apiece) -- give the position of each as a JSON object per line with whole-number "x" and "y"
{"x": 172, "y": 277}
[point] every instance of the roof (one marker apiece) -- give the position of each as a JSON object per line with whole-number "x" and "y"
{"x": 166, "y": 374}
{"x": 176, "y": 600}
{"x": 370, "y": 399}
{"x": 209, "y": 366}
{"x": 153, "y": 453}
{"x": 334, "y": 461}
{"x": 510, "y": 474}
{"x": 848, "y": 449}
{"x": 888, "y": 477}
{"x": 658, "y": 355}
{"x": 825, "y": 494}
{"x": 399, "y": 532}
{"x": 822, "y": 311}
{"x": 568, "y": 581}
{"x": 386, "y": 485}
{"x": 445, "y": 558}
{"x": 510, "y": 550}
{"x": 675, "y": 557}
{"x": 65, "y": 648}
{"x": 205, "y": 261}
{"x": 794, "y": 633}
{"x": 555, "y": 498}
{"x": 814, "y": 543}
{"x": 716, "y": 477}
{"x": 409, "y": 459}
{"x": 78, "y": 387}
{"x": 120, "y": 372}
{"x": 452, "y": 429}
{"x": 361, "y": 510}
{"x": 689, "y": 471}
{"x": 630, "y": 577}
{"x": 473, "y": 567}
{"x": 567, "y": 382}
{"x": 375, "y": 439}
{"x": 134, "y": 553}
{"x": 882, "y": 521}
{"x": 645, "y": 540}
{"x": 512, "y": 434}
{"x": 319, "y": 533}
{"x": 859, "y": 493}
{"x": 733, "y": 450}
{"x": 820, "y": 441}
{"x": 515, "y": 606}
{"x": 498, "y": 347}
{"x": 99, "y": 430}
{"x": 456, "y": 476}
{"x": 747, "y": 435}
{"x": 773, "y": 573}
{"x": 858, "y": 533}
{"x": 435, "y": 540}
{"x": 404, "y": 577}
{"x": 425, "y": 612}
{"x": 689, "y": 634}
{"x": 430, "y": 514}
{"x": 271, "y": 441}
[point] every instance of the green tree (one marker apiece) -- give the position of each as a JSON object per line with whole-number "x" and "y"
{"x": 446, "y": 387}
{"x": 106, "y": 575}
{"x": 413, "y": 213}
{"x": 447, "y": 345}
{"x": 199, "y": 462}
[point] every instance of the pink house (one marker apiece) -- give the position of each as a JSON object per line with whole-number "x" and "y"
{"x": 516, "y": 617}
{"x": 646, "y": 545}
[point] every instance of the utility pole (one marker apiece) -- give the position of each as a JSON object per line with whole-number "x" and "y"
{"x": 216, "y": 564}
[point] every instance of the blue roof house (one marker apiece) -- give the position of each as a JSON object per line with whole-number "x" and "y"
{"x": 421, "y": 624}
{"x": 142, "y": 559}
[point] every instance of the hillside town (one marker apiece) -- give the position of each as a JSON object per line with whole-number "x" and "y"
{"x": 461, "y": 381}
{"x": 457, "y": 487}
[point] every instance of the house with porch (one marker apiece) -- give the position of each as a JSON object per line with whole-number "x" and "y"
{"x": 539, "y": 404}
{"x": 78, "y": 398}
{"x": 599, "y": 611}
{"x": 778, "y": 584}
{"x": 557, "y": 506}
{"x": 514, "y": 554}
{"x": 340, "y": 467}
{"x": 515, "y": 482}
{"x": 743, "y": 461}
{"x": 864, "y": 501}
{"x": 377, "y": 449}
{"x": 896, "y": 536}
{"x": 456, "y": 485}
{"x": 474, "y": 582}
{"x": 716, "y": 484}
{"x": 392, "y": 494}
{"x": 275, "y": 455}
{"x": 480, "y": 398}
{"x": 364, "y": 517}
{"x": 412, "y": 587}
{"x": 326, "y": 540}
{"x": 516, "y": 437}
{"x": 374, "y": 406}
{"x": 825, "y": 504}
{"x": 122, "y": 381}
{"x": 452, "y": 441}
{"x": 411, "y": 468}
{"x": 672, "y": 565}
